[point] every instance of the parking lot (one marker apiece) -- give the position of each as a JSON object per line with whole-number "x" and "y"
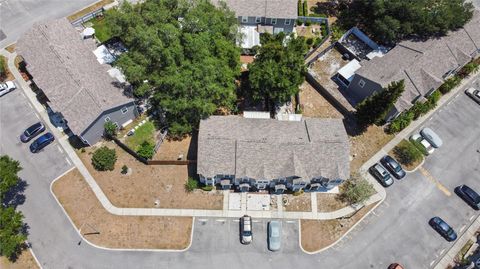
{"x": 223, "y": 235}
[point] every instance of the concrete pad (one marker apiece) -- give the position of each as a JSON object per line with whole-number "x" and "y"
{"x": 259, "y": 202}
{"x": 235, "y": 201}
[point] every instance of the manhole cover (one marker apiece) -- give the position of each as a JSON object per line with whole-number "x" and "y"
{"x": 2, "y": 35}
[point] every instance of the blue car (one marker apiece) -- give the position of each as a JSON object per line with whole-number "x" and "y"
{"x": 443, "y": 228}
{"x": 41, "y": 142}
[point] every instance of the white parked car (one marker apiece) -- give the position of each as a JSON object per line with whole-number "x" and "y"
{"x": 417, "y": 137}
{"x": 7, "y": 87}
{"x": 246, "y": 229}
{"x": 474, "y": 94}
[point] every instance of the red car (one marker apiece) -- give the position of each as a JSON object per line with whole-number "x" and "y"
{"x": 395, "y": 266}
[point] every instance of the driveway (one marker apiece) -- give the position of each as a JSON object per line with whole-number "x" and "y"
{"x": 17, "y": 16}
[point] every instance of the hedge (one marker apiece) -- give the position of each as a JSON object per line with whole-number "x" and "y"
{"x": 449, "y": 84}
{"x": 305, "y": 8}
{"x": 300, "y": 8}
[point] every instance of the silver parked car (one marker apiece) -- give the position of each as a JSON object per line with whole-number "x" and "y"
{"x": 246, "y": 229}
{"x": 274, "y": 235}
{"x": 474, "y": 94}
{"x": 7, "y": 87}
{"x": 431, "y": 137}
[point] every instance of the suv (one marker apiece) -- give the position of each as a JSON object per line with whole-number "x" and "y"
{"x": 41, "y": 142}
{"x": 7, "y": 87}
{"x": 470, "y": 196}
{"x": 443, "y": 228}
{"x": 246, "y": 229}
{"x": 31, "y": 132}
{"x": 381, "y": 174}
{"x": 393, "y": 166}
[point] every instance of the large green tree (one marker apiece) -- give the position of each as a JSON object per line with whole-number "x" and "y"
{"x": 182, "y": 52}
{"x": 12, "y": 232}
{"x": 374, "y": 109}
{"x": 391, "y": 20}
{"x": 279, "y": 68}
{"x": 9, "y": 169}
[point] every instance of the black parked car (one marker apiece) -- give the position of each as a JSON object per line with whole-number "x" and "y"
{"x": 31, "y": 132}
{"x": 470, "y": 196}
{"x": 381, "y": 174}
{"x": 443, "y": 228}
{"x": 393, "y": 166}
{"x": 41, "y": 142}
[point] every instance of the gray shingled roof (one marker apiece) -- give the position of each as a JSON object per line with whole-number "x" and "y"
{"x": 269, "y": 149}
{"x": 423, "y": 64}
{"x": 281, "y": 9}
{"x": 64, "y": 67}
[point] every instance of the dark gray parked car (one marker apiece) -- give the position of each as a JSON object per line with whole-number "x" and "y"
{"x": 393, "y": 167}
{"x": 470, "y": 196}
{"x": 381, "y": 174}
{"x": 31, "y": 132}
{"x": 443, "y": 228}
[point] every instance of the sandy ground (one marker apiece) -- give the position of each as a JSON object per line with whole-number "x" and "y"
{"x": 173, "y": 149}
{"x": 317, "y": 234}
{"x": 313, "y": 104}
{"x": 24, "y": 261}
{"x": 148, "y": 184}
{"x": 299, "y": 203}
{"x": 107, "y": 230}
{"x": 328, "y": 202}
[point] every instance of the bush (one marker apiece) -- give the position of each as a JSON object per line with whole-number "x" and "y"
{"x": 110, "y": 129}
{"x": 146, "y": 150}
{"x": 317, "y": 41}
{"x": 3, "y": 67}
{"x": 300, "y": 8}
{"x": 309, "y": 41}
{"x": 191, "y": 184}
{"x": 305, "y": 8}
{"x": 468, "y": 69}
{"x": 407, "y": 153}
{"x": 308, "y": 23}
{"x": 400, "y": 122}
{"x": 356, "y": 190}
{"x": 298, "y": 193}
{"x": 104, "y": 159}
{"x": 323, "y": 30}
{"x": 299, "y": 22}
{"x": 449, "y": 84}
{"x": 207, "y": 188}
{"x": 419, "y": 146}
{"x": 124, "y": 169}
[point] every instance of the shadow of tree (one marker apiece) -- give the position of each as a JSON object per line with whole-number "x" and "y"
{"x": 15, "y": 196}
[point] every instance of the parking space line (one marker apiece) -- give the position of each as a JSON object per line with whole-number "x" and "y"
{"x": 290, "y": 221}
{"x": 30, "y": 105}
{"x": 442, "y": 251}
{"x": 59, "y": 149}
{"x": 471, "y": 218}
{"x": 203, "y": 220}
{"x": 235, "y": 220}
{"x": 432, "y": 263}
{"x": 461, "y": 230}
{"x": 36, "y": 115}
{"x": 437, "y": 183}
{"x": 220, "y": 220}
{"x": 68, "y": 161}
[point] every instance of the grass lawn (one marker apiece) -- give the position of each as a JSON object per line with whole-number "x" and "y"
{"x": 101, "y": 31}
{"x": 407, "y": 154}
{"x": 144, "y": 133}
{"x": 113, "y": 231}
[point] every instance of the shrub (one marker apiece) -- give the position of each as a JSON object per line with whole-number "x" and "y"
{"x": 308, "y": 23}
{"x": 299, "y": 22}
{"x": 309, "y": 41}
{"x": 207, "y": 188}
{"x": 124, "y": 169}
{"x": 110, "y": 129}
{"x": 104, "y": 159}
{"x": 191, "y": 184}
{"x": 323, "y": 29}
{"x": 317, "y": 41}
{"x": 468, "y": 69}
{"x": 449, "y": 84}
{"x": 419, "y": 146}
{"x": 356, "y": 190}
{"x": 298, "y": 193}
{"x": 300, "y": 8}
{"x": 3, "y": 67}
{"x": 400, "y": 122}
{"x": 305, "y": 8}
{"x": 407, "y": 153}
{"x": 146, "y": 150}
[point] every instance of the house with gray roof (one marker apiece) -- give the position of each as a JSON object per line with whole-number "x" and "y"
{"x": 254, "y": 154}
{"x": 262, "y": 16}
{"x": 77, "y": 86}
{"x": 424, "y": 65}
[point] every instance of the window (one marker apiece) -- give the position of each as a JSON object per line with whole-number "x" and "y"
{"x": 107, "y": 119}
{"x": 361, "y": 83}
{"x": 287, "y": 22}
{"x": 274, "y": 21}
{"x": 258, "y": 19}
{"x": 124, "y": 110}
{"x": 244, "y": 19}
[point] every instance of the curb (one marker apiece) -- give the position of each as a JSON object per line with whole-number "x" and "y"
{"x": 114, "y": 249}
{"x": 341, "y": 237}
{"x": 417, "y": 167}
{"x": 35, "y": 257}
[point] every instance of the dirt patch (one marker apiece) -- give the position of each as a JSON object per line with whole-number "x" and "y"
{"x": 149, "y": 184}
{"x": 313, "y": 104}
{"x": 9, "y": 75}
{"x": 365, "y": 145}
{"x": 301, "y": 203}
{"x": 25, "y": 260}
{"x": 11, "y": 48}
{"x": 107, "y": 230}
{"x": 318, "y": 234}
{"x": 328, "y": 202}
{"x": 177, "y": 149}
{"x": 311, "y": 31}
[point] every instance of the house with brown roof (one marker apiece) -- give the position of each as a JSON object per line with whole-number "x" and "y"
{"x": 424, "y": 65}
{"x": 77, "y": 86}
{"x": 262, "y": 16}
{"x": 254, "y": 154}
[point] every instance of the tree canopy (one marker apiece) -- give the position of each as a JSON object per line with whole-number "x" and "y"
{"x": 393, "y": 20}
{"x": 374, "y": 108}
{"x": 12, "y": 233}
{"x": 279, "y": 68}
{"x": 9, "y": 169}
{"x": 184, "y": 53}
